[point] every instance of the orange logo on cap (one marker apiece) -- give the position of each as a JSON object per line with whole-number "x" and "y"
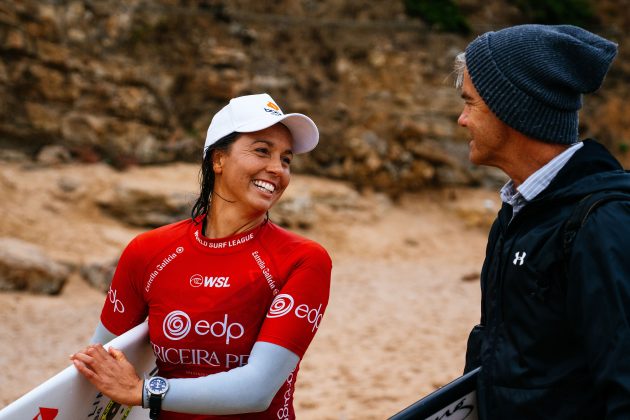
{"x": 273, "y": 106}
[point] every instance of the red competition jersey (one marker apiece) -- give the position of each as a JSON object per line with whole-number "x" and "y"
{"x": 209, "y": 300}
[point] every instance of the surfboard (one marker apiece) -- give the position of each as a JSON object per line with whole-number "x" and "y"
{"x": 69, "y": 396}
{"x": 455, "y": 401}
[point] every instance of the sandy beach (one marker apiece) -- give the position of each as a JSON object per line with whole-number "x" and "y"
{"x": 404, "y": 295}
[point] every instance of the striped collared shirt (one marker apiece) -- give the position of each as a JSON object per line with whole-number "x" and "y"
{"x": 518, "y": 197}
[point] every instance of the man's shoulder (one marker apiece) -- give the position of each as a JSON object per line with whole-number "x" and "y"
{"x": 587, "y": 208}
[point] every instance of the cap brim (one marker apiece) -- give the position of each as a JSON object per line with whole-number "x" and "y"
{"x": 303, "y": 130}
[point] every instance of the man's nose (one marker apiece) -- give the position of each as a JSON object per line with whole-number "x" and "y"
{"x": 462, "y": 120}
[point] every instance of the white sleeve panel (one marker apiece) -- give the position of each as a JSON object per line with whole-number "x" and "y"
{"x": 102, "y": 335}
{"x": 245, "y": 389}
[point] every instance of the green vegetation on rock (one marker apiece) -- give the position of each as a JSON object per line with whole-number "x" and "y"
{"x": 574, "y": 12}
{"x": 443, "y": 15}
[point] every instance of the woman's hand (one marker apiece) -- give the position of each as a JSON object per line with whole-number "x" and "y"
{"x": 111, "y": 373}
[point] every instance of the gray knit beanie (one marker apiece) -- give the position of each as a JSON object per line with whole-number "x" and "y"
{"x": 533, "y": 76}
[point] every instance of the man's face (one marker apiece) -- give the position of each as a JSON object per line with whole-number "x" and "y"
{"x": 488, "y": 135}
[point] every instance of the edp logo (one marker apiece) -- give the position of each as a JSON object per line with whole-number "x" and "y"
{"x": 177, "y": 325}
{"x": 118, "y": 305}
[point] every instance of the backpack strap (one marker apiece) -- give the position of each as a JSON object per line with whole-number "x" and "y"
{"x": 578, "y": 217}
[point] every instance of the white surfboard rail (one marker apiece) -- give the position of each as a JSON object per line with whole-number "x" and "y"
{"x": 69, "y": 396}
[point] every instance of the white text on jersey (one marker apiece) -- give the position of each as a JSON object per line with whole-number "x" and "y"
{"x": 197, "y": 280}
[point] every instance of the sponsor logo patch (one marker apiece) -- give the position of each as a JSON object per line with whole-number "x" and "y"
{"x": 284, "y": 304}
{"x": 177, "y": 325}
{"x": 197, "y": 280}
{"x": 161, "y": 266}
{"x": 285, "y": 412}
{"x": 265, "y": 272}
{"x": 185, "y": 356}
{"x": 519, "y": 258}
{"x": 223, "y": 244}
{"x": 46, "y": 413}
{"x": 118, "y": 305}
{"x": 272, "y": 109}
{"x": 280, "y": 306}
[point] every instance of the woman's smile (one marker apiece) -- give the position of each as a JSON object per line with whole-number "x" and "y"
{"x": 255, "y": 171}
{"x": 264, "y": 186}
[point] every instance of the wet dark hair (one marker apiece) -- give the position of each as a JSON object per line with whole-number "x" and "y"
{"x": 206, "y": 174}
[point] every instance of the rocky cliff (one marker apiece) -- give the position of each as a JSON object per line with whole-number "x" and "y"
{"x": 137, "y": 81}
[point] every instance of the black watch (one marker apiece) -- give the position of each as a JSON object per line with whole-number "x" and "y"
{"x": 156, "y": 388}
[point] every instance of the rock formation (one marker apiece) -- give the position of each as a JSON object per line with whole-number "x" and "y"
{"x": 136, "y": 82}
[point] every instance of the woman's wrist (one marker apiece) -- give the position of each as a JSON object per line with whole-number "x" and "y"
{"x": 145, "y": 399}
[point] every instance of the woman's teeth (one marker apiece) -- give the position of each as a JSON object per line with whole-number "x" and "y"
{"x": 265, "y": 186}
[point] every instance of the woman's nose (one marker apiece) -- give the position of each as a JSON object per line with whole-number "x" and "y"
{"x": 275, "y": 165}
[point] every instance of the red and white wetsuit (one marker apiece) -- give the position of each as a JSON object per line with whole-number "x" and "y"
{"x": 209, "y": 300}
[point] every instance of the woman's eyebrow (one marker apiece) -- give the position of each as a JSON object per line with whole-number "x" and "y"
{"x": 270, "y": 143}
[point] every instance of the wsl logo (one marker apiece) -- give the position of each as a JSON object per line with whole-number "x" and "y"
{"x": 197, "y": 280}
{"x": 273, "y": 109}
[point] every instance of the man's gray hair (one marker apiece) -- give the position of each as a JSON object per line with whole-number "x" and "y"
{"x": 459, "y": 66}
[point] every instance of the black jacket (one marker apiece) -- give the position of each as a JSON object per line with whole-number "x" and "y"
{"x": 555, "y": 343}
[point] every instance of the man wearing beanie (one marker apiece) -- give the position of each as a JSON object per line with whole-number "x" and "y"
{"x": 554, "y": 336}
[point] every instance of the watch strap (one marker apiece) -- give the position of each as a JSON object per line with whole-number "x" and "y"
{"x": 155, "y": 406}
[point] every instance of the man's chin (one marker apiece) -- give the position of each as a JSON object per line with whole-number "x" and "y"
{"x": 472, "y": 156}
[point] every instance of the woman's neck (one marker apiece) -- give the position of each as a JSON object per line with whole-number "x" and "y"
{"x": 222, "y": 225}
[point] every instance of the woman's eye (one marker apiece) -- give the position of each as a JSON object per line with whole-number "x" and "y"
{"x": 263, "y": 150}
{"x": 286, "y": 160}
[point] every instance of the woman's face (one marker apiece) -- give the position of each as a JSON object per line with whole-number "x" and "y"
{"x": 254, "y": 172}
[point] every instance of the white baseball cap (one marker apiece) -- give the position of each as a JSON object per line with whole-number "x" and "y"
{"x": 246, "y": 114}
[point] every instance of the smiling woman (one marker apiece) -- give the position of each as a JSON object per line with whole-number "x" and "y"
{"x": 249, "y": 331}
{"x": 252, "y": 175}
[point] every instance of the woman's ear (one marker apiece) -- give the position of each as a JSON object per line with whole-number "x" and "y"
{"x": 217, "y": 161}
